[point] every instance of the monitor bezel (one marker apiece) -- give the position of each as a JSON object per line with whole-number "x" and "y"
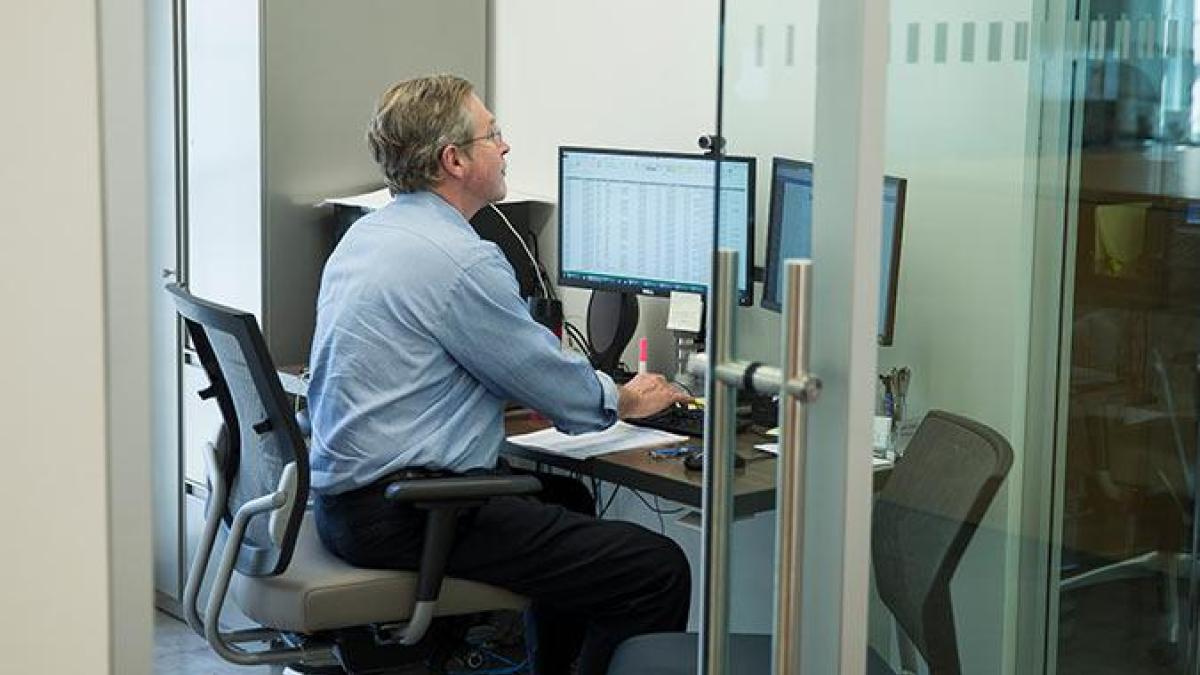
{"x": 745, "y": 297}
{"x": 888, "y": 333}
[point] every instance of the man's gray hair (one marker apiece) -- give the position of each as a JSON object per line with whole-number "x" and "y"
{"x": 413, "y": 121}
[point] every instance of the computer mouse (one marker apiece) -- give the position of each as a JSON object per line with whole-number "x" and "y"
{"x": 694, "y": 461}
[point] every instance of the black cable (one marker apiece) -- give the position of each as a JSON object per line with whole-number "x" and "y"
{"x": 662, "y": 525}
{"x": 578, "y": 335}
{"x": 580, "y": 341}
{"x": 611, "y": 498}
{"x": 658, "y": 510}
{"x": 579, "y": 346}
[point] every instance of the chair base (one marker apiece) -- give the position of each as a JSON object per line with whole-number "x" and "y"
{"x": 376, "y": 650}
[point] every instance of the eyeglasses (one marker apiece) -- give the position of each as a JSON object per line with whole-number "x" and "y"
{"x": 495, "y": 136}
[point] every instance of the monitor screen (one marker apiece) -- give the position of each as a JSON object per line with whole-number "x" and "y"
{"x": 642, "y": 222}
{"x": 789, "y": 235}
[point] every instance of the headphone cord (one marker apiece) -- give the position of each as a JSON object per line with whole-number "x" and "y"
{"x": 537, "y": 269}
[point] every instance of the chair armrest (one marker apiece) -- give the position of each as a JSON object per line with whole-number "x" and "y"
{"x": 444, "y": 498}
{"x": 461, "y": 488}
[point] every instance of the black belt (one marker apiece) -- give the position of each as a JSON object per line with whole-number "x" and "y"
{"x": 414, "y": 474}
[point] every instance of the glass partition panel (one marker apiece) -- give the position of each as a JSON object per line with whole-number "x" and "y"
{"x": 800, "y": 88}
{"x": 766, "y": 112}
{"x": 1125, "y": 588}
{"x": 959, "y": 220}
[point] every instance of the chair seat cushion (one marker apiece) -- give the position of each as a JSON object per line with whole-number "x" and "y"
{"x": 676, "y": 654}
{"x": 319, "y": 591}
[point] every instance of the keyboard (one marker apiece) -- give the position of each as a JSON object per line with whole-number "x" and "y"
{"x": 677, "y": 420}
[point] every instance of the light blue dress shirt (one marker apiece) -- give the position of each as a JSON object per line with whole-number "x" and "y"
{"x": 421, "y": 338}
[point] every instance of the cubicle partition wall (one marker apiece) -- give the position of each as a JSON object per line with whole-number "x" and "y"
{"x": 272, "y": 106}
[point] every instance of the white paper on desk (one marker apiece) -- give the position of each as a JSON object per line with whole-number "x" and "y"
{"x": 773, "y": 448}
{"x": 618, "y": 437}
{"x": 686, "y": 312}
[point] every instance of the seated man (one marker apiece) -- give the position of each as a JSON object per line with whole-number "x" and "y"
{"x": 421, "y": 338}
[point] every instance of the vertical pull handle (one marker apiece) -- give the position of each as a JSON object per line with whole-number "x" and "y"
{"x": 720, "y": 425}
{"x": 797, "y": 388}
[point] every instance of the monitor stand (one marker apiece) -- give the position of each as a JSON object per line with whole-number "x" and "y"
{"x": 612, "y": 317}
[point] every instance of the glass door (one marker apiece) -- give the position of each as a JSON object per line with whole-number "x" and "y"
{"x": 800, "y": 86}
{"x": 922, "y": 155}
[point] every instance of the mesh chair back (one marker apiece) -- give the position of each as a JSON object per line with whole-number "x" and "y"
{"x": 922, "y": 521}
{"x": 262, "y": 435}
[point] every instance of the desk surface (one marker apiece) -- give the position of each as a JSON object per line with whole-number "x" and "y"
{"x": 753, "y": 485}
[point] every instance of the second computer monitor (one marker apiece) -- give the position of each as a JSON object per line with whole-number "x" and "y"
{"x": 641, "y": 222}
{"x": 789, "y": 235}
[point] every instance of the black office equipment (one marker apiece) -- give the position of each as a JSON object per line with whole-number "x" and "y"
{"x": 488, "y": 225}
{"x": 694, "y": 461}
{"x": 548, "y": 312}
{"x": 312, "y": 608}
{"x": 611, "y": 319}
{"x": 676, "y": 419}
{"x": 789, "y": 235}
{"x": 516, "y": 244}
{"x": 680, "y": 419}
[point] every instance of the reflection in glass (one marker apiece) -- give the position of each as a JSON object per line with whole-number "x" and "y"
{"x": 1129, "y": 497}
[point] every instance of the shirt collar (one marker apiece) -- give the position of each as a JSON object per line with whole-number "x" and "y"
{"x": 435, "y": 203}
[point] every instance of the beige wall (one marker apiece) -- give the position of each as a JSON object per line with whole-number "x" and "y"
{"x": 52, "y": 407}
{"x": 623, "y": 74}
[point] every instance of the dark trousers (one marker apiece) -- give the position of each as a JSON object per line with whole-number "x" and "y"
{"x": 592, "y": 583}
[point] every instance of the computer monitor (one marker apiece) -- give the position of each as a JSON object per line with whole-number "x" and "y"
{"x": 641, "y": 222}
{"x": 789, "y": 235}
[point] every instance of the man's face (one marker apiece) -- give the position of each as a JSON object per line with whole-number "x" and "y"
{"x": 485, "y": 164}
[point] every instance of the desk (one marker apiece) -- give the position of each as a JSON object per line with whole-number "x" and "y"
{"x": 753, "y": 485}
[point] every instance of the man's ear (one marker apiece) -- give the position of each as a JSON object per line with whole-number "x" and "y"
{"x": 450, "y": 159}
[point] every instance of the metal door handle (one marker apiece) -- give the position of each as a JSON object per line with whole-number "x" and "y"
{"x": 798, "y": 389}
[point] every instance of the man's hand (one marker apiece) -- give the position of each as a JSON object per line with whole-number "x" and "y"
{"x": 647, "y": 394}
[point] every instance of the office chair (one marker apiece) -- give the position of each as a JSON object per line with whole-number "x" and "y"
{"x": 1165, "y": 487}
{"x": 922, "y": 521}
{"x": 315, "y": 612}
